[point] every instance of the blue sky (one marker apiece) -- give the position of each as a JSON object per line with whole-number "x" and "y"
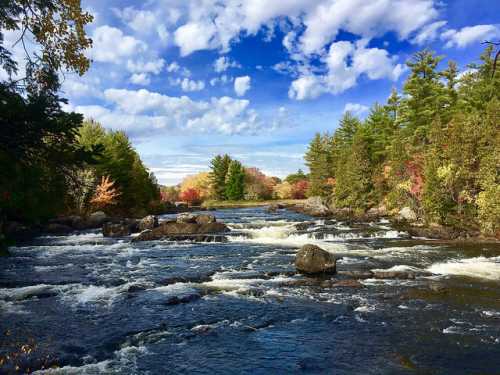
{"x": 256, "y": 78}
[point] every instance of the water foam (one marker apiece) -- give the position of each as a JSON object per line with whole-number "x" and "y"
{"x": 478, "y": 267}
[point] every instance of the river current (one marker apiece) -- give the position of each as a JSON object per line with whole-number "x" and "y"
{"x": 85, "y": 304}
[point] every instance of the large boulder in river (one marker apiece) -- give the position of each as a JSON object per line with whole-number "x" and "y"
{"x": 311, "y": 259}
{"x": 148, "y": 222}
{"x": 197, "y": 230}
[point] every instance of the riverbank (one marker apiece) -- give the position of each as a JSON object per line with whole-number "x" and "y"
{"x": 213, "y": 204}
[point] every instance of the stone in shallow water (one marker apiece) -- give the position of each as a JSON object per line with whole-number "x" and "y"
{"x": 311, "y": 259}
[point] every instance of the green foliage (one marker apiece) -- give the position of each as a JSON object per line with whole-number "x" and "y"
{"x": 318, "y": 161}
{"x": 436, "y": 149}
{"x": 353, "y": 178}
{"x": 118, "y": 160}
{"x": 219, "y": 166}
{"x": 235, "y": 181}
{"x": 296, "y": 177}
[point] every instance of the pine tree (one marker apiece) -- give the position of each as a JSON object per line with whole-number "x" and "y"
{"x": 235, "y": 181}
{"x": 219, "y": 168}
{"x": 353, "y": 180}
{"x": 424, "y": 96}
{"x": 317, "y": 161}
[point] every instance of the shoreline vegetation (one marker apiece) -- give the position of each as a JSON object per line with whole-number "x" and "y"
{"x": 430, "y": 155}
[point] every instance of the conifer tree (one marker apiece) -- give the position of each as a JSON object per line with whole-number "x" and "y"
{"x": 317, "y": 161}
{"x": 235, "y": 181}
{"x": 219, "y": 168}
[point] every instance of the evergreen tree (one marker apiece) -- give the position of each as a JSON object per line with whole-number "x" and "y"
{"x": 317, "y": 160}
{"x": 424, "y": 97}
{"x": 219, "y": 166}
{"x": 353, "y": 179}
{"x": 235, "y": 181}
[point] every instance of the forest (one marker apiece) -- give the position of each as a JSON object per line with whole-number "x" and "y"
{"x": 434, "y": 147}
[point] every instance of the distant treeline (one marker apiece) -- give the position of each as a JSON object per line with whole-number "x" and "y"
{"x": 435, "y": 148}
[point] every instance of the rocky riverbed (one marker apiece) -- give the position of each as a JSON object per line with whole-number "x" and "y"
{"x": 83, "y": 303}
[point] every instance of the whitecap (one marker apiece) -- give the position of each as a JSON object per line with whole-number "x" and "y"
{"x": 478, "y": 267}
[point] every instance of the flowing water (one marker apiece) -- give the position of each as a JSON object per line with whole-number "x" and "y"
{"x": 85, "y": 304}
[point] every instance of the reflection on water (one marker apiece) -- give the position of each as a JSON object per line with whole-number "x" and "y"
{"x": 84, "y": 304}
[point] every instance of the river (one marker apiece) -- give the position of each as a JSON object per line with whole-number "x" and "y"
{"x": 85, "y": 304}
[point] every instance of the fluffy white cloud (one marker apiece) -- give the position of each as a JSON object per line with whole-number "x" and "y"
{"x": 188, "y": 85}
{"x": 321, "y": 21}
{"x": 223, "y": 79}
{"x": 429, "y": 33}
{"x": 140, "y": 79}
{"x": 141, "y": 66}
{"x": 470, "y": 34}
{"x": 241, "y": 85}
{"x": 194, "y": 36}
{"x": 173, "y": 67}
{"x": 111, "y": 45}
{"x": 143, "y": 112}
{"x": 345, "y": 62}
{"x": 356, "y": 109}
{"x": 223, "y": 63}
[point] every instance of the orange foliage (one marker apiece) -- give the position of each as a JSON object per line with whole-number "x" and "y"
{"x": 105, "y": 193}
{"x": 191, "y": 196}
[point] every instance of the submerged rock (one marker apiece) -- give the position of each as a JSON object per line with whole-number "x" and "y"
{"x": 312, "y": 259}
{"x": 56, "y": 228}
{"x": 148, "y": 222}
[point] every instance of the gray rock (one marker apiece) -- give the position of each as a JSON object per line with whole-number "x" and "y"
{"x": 314, "y": 206}
{"x": 312, "y": 259}
{"x": 115, "y": 229}
{"x": 96, "y": 219}
{"x": 205, "y": 219}
{"x": 148, "y": 222}
{"x": 186, "y": 217}
{"x": 184, "y": 231}
{"x": 406, "y": 213}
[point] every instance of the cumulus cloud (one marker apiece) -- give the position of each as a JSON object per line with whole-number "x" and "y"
{"x": 356, "y": 109}
{"x": 111, "y": 45}
{"x": 241, "y": 85}
{"x": 345, "y": 63}
{"x": 214, "y": 24}
{"x": 188, "y": 85}
{"x": 223, "y": 79}
{"x": 140, "y": 79}
{"x": 223, "y": 63}
{"x": 470, "y": 34}
{"x": 142, "y": 112}
{"x": 141, "y": 66}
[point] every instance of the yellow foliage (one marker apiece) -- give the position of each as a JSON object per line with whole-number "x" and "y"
{"x": 199, "y": 182}
{"x": 283, "y": 190}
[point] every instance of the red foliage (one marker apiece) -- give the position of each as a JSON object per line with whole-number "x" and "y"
{"x": 191, "y": 196}
{"x": 414, "y": 170}
{"x": 299, "y": 189}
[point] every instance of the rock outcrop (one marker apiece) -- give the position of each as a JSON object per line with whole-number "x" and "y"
{"x": 116, "y": 229}
{"x": 311, "y": 259}
{"x": 203, "y": 228}
{"x": 96, "y": 219}
{"x": 148, "y": 222}
{"x": 406, "y": 213}
{"x": 314, "y": 206}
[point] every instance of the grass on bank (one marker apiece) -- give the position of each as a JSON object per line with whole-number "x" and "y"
{"x": 242, "y": 204}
